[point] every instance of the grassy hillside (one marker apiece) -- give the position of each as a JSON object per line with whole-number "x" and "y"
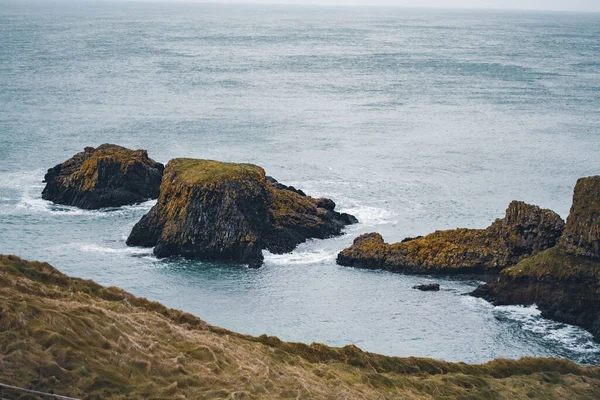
{"x": 84, "y": 340}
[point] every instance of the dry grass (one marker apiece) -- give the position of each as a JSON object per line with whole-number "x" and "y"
{"x": 81, "y": 339}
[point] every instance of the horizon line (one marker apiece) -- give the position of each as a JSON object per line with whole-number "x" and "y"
{"x": 324, "y": 5}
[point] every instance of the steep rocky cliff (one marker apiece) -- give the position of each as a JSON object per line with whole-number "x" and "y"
{"x": 525, "y": 230}
{"x": 564, "y": 281}
{"x": 565, "y": 287}
{"x": 76, "y": 338}
{"x": 229, "y": 212}
{"x": 106, "y": 176}
{"x": 582, "y": 231}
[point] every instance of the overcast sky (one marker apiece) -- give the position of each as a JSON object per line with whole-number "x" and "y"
{"x": 573, "y": 5}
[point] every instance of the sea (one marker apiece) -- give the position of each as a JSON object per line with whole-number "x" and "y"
{"x": 413, "y": 120}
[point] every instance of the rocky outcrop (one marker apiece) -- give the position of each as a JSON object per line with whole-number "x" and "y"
{"x": 565, "y": 287}
{"x": 431, "y": 287}
{"x": 106, "y": 176}
{"x": 230, "y": 212}
{"x": 525, "y": 230}
{"x": 76, "y": 338}
{"x": 582, "y": 231}
{"x": 564, "y": 281}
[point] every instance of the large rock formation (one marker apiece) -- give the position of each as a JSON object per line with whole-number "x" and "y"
{"x": 76, "y": 338}
{"x": 564, "y": 281}
{"x": 565, "y": 287}
{"x": 525, "y": 230}
{"x": 106, "y": 176}
{"x": 230, "y": 212}
{"x": 582, "y": 231}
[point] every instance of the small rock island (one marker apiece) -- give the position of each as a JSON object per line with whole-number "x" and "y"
{"x": 525, "y": 230}
{"x": 563, "y": 281}
{"x": 230, "y": 212}
{"x": 105, "y": 176}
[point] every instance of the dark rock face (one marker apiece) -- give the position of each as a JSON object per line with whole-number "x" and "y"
{"x": 273, "y": 182}
{"x": 525, "y": 230}
{"x": 582, "y": 231}
{"x": 230, "y": 212}
{"x": 563, "y": 281}
{"x": 565, "y": 287}
{"x": 106, "y": 176}
{"x": 432, "y": 287}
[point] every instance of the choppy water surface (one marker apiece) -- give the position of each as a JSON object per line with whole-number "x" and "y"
{"x": 412, "y": 120}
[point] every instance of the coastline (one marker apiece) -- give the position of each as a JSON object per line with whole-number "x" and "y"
{"x": 76, "y": 337}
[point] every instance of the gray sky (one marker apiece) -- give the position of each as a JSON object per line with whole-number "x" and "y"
{"x": 572, "y": 5}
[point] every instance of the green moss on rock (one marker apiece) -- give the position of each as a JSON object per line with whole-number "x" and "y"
{"x": 525, "y": 230}
{"x": 230, "y": 212}
{"x": 563, "y": 281}
{"x": 556, "y": 264}
{"x": 565, "y": 287}
{"x": 193, "y": 171}
{"x": 106, "y": 176}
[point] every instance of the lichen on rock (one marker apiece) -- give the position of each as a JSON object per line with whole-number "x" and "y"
{"x": 106, "y": 176}
{"x": 525, "y": 230}
{"x": 230, "y": 212}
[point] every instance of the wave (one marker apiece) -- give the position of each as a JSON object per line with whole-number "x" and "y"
{"x": 22, "y": 179}
{"x": 300, "y": 257}
{"x": 371, "y": 216}
{"x": 96, "y": 248}
{"x": 570, "y": 337}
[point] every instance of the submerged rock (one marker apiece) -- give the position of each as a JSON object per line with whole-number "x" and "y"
{"x": 525, "y": 230}
{"x": 106, "y": 176}
{"x": 230, "y": 212}
{"x": 431, "y": 287}
{"x": 564, "y": 281}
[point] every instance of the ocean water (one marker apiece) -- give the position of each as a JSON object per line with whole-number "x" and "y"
{"x": 412, "y": 120}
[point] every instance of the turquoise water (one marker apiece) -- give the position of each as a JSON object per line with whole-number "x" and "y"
{"x": 412, "y": 120}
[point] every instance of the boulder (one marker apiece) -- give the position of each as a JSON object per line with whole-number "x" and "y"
{"x": 563, "y": 281}
{"x": 525, "y": 230}
{"x": 230, "y": 212}
{"x": 431, "y": 287}
{"x": 106, "y": 176}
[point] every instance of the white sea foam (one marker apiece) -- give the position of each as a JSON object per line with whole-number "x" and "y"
{"x": 300, "y": 257}
{"x": 570, "y": 337}
{"x": 371, "y": 216}
{"x": 95, "y": 248}
{"x": 22, "y": 180}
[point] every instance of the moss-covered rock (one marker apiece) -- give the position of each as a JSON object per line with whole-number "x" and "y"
{"x": 564, "y": 281}
{"x": 106, "y": 176}
{"x": 76, "y": 338}
{"x": 525, "y": 230}
{"x": 565, "y": 287}
{"x": 582, "y": 231}
{"x": 229, "y": 212}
